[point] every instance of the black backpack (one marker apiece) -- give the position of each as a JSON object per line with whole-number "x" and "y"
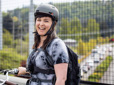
{"x": 73, "y": 75}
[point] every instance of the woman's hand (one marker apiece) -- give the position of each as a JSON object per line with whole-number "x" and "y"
{"x": 22, "y": 70}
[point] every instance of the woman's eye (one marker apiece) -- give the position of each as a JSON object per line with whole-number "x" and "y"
{"x": 46, "y": 21}
{"x": 38, "y": 20}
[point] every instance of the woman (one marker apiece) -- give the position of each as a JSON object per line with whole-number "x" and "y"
{"x": 47, "y": 45}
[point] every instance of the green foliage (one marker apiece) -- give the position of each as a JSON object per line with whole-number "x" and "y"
{"x": 72, "y": 17}
{"x": 92, "y": 25}
{"x": 10, "y": 59}
{"x": 85, "y": 47}
{"x": 112, "y": 36}
{"x": 92, "y": 29}
{"x": 15, "y": 19}
{"x": 75, "y": 22}
{"x": 106, "y": 40}
{"x": 65, "y": 26}
{"x": 91, "y": 44}
{"x": 7, "y": 38}
{"x": 82, "y": 48}
{"x": 70, "y": 27}
{"x": 86, "y": 9}
{"x": 95, "y": 77}
{"x": 76, "y": 28}
{"x": 26, "y": 37}
{"x": 99, "y": 71}
{"x": 21, "y": 47}
{"x": 4, "y": 14}
{"x": 7, "y": 22}
{"x": 101, "y": 40}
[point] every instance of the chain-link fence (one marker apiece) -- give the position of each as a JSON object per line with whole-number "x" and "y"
{"x": 87, "y": 27}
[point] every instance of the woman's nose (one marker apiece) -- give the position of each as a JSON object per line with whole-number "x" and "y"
{"x": 41, "y": 23}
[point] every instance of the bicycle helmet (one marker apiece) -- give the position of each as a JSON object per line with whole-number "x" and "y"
{"x": 49, "y": 10}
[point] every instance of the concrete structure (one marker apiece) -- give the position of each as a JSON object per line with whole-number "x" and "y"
{"x": 31, "y": 26}
{"x": 0, "y": 27}
{"x": 70, "y": 42}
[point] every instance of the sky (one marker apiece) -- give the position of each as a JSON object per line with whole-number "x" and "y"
{"x": 12, "y": 4}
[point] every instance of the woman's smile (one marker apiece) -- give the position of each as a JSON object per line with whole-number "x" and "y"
{"x": 41, "y": 29}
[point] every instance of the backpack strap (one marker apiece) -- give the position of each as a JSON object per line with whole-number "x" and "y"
{"x": 45, "y": 71}
{"x": 49, "y": 61}
{"x": 28, "y": 60}
{"x": 49, "y": 57}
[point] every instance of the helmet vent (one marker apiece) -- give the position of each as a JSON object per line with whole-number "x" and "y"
{"x": 51, "y": 13}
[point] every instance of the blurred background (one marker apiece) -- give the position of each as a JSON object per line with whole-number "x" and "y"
{"x": 86, "y": 26}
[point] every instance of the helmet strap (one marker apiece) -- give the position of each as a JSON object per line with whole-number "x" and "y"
{"x": 50, "y": 31}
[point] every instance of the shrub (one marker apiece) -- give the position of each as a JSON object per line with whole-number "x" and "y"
{"x": 10, "y": 59}
{"x": 99, "y": 71}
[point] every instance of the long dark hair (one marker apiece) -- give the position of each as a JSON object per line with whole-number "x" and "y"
{"x": 46, "y": 41}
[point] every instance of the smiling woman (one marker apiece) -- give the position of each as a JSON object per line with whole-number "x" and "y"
{"x": 42, "y": 72}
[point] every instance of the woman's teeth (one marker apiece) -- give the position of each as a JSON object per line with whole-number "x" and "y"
{"x": 41, "y": 28}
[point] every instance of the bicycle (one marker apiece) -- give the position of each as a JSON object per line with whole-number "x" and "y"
{"x": 6, "y": 81}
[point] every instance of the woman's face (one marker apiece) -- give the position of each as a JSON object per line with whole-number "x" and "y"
{"x": 43, "y": 24}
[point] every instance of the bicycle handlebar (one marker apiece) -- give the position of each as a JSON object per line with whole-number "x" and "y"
{"x": 13, "y": 71}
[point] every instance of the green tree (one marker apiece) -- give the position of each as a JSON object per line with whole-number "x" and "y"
{"x": 104, "y": 27}
{"x": 26, "y": 37}
{"x": 10, "y": 58}
{"x": 21, "y": 46}
{"x": 15, "y": 19}
{"x": 7, "y": 22}
{"x": 100, "y": 40}
{"x": 75, "y": 23}
{"x": 17, "y": 27}
{"x": 92, "y": 25}
{"x": 91, "y": 44}
{"x": 76, "y": 28}
{"x": 82, "y": 48}
{"x": 7, "y": 38}
{"x": 92, "y": 28}
{"x": 64, "y": 29}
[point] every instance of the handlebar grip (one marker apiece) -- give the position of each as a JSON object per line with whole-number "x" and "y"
{"x": 13, "y": 71}
{"x": 16, "y": 71}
